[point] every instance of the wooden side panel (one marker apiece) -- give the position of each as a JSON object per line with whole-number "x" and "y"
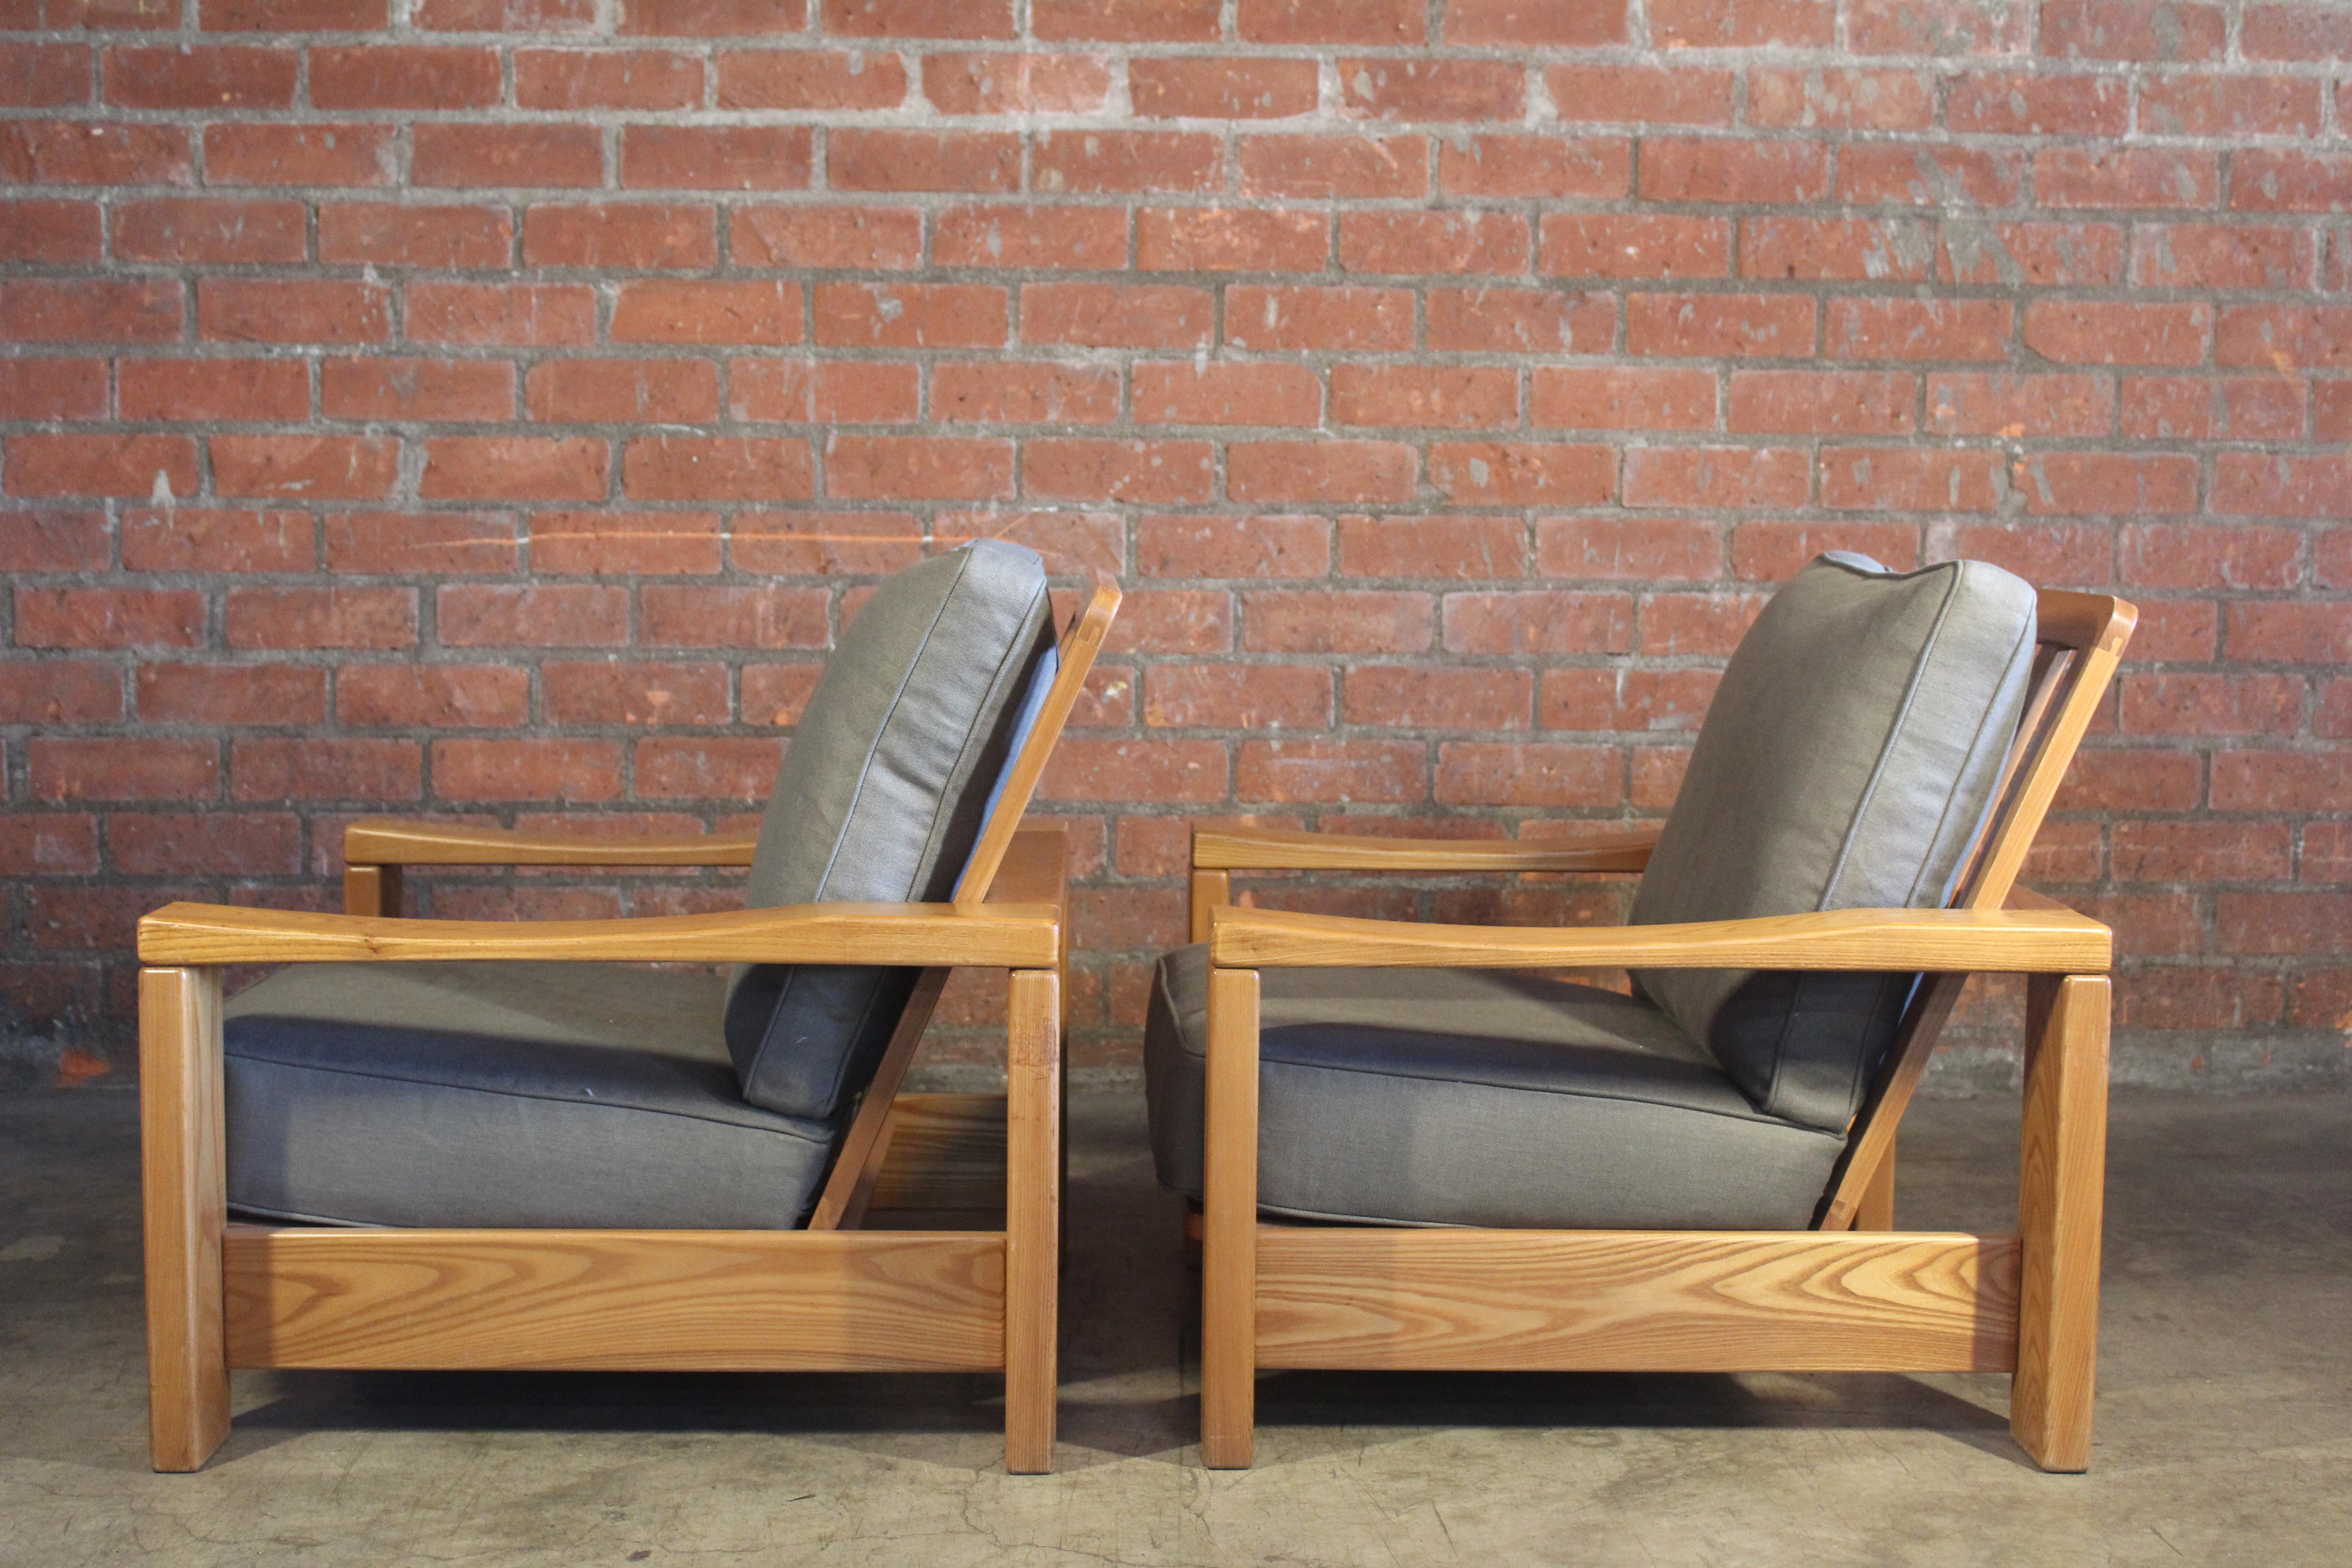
{"x": 1634, "y": 1300}
{"x": 947, "y": 1151}
{"x": 184, "y": 1181}
{"x": 372, "y": 891}
{"x": 2060, "y": 1187}
{"x": 616, "y": 1299}
{"x": 1229, "y": 1279}
{"x": 1033, "y": 1219}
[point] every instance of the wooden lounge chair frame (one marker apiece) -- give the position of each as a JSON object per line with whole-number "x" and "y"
{"x": 1853, "y": 1294}
{"x": 831, "y": 1298}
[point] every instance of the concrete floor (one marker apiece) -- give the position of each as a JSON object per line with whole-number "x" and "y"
{"x": 2225, "y": 1410}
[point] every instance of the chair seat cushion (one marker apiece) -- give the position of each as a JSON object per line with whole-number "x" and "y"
{"x": 1470, "y": 1097}
{"x": 504, "y": 1094}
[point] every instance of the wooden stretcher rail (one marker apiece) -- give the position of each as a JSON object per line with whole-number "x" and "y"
{"x": 1268, "y": 850}
{"x": 404, "y": 843}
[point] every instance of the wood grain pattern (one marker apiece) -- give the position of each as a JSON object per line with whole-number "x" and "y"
{"x": 372, "y": 891}
{"x": 1267, "y": 849}
{"x": 1876, "y": 1210}
{"x": 1033, "y": 1218}
{"x": 1206, "y": 891}
{"x": 616, "y": 1299}
{"x": 947, "y": 1153}
{"x": 1228, "y": 1282}
{"x": 916, "y": 934}
{"x": 2061, "y": 1188}
{"x": 857, "y": 1166}
{"x": 1633, "y": 1301}
{"x": 396, "y": 842}
{"x": 1944, "y": 939}
{"x": 184, "y": 1199}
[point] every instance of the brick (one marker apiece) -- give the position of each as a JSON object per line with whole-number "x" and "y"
{"x": 1432, "y": 89}
{"x": 1213, "y": 392}
{"x": 714, "y": 769}
{"x": 910, "y": 315}
{"x": 1770, "y": 552}
{"x": 209, "y": 229}
{"x": 50, "y": 76}
{"x": 2047, "y": 555}
{"x": 1449, "y": 243}
{"x": 1194, "y": 547}
{"x": 1636, "y": 245}
{"x": 516, "y": 315}
{"x": 716, "y": 157}
{"x": 804, "y": 80}
{"x": 1137, "y": 771}
{"x": 1910, "y": 481}
{"x": 714, "y": 18}
{"x": 847, "y": 237}
{"x": 1529, "y": 773}
{"x": 1116, "y": 315}
{"x": 1214, "y": 239}
{"x": 2212, "y": 705}
{"x": 286, "y": 619}
{"x": 96, "y": 465}
{"x": 1523, "y": 473}
{"x": 271, "y": 694}
{"x": 1337, "y": 771}
{"x": 620, "y": 544}
{"x": 192, "y": 539}
{"x": 621, "y": 392}
{"x": 2326, "y": 853}
{"x": 1533, "y": 22}
{"x": 499, "y": 156}
{"x": 777, "y": 693}
{"x": 305, "y": 468}
{"x": 700, "y": 311}
{"x": 433, "y": 543}
{"x": 917, "y": 467}
{"x": 2079, "y": 482}
{"x": 1414, "y": 698}
{"x": 2287, "y": 339}
{"x": 2279, "y": 484}
{"x": 1126, "y": 21}
{"x": 249, "y": 844}
{"x": 1841, "y": 100}
{"x": 1741, "y": 24}
{"x": 295, "y": 16}
{"x": 303, "y": 311}
{"x": 620, "y": 234}
{"x": 49, "y": 231}
{"x": 1070, "y": 542}
{"x": 381, "y": 76}
{"x": 2191, "y": 555}
{"x": 2230, "y": 106}
{"x": 2283, "y": 923}
{"x": 865, "y": 160}
{"x": 432, "y": 695}
{"x": 2124, "y": 177}
{"x": 81, "y": 153}
{"x": 1918, "y": 329}
{"x": 1007, "y": 235}
{"x": 514, "y": 467}
{"x": 1148, "y": 473}
{"x": 1460, "y": 548}
{"x": 108, "y": 617}
{"x": 439, "y": 390}
{"x": 1015, "y": 83}
{"x": 90, "y": 311}
{"x": 607, "y": 78}
{"x": 1996, "y": 403}
{"x": 1928, "y": 174}
{"x": 740, "y": 467}
{"x": 917, "y": 18}
{"x": 2295, "y": 33}
{"x": 837, "y": 392}
{"x": 124, "y": 768}
{"x": 636, "y": 694}
{"x": 1836, "y": 249}
{"x": 481, "y": 614}
{"x": 2265, "y": 180}
{"x": 1237, "y": 697}
{"x": 681, "y": 617}
{"x": 53, "y": 540}
{"x": 2185, "y": 631}
{"x": 1520, "y": 320}
{"x": 1638, "y": 94}
{"x": 400, "y": 234}
{"x": 1720, "y": 325}
{"x": 2039, "y": 103}
{"x": 49, "y": 844}
{"x": 1330, "y": 21}
{"x": 1332, "y": 168}
{"x": 2121, "y": 30}
{"x": 1300, "y": 620}
{"x": 1712, "y": 169}
{"x": 1342, "y": 472}
{"x": 185, "y": 389}
{"x": 1628, "y": 549}
{"x": 271, "y": 153}
{"x": 1628, "y": 397}
{"x": 1843, "y": 403}
{"x": 2238, "y": 407}
{"x": 1110, "y": 162}
{"x": 554, "y": 769}
{"x": 1551, "y": 622}
{"x": 1710, "y": 477}
{"x": 2085, "y": 332}
{"x": 1418, "y": 397}
{"x": 1703, "y": 625}
{"x": 1200, "y": 86}
{"x": 2201, "y": 851}
{"x": 1275, "y": 317}
{"x": 1173, "y": 620}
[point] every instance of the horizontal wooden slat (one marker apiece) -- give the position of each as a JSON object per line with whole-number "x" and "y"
{"x": 947, "y": 1151}
{"x": 615, "y": 1300}
{"x": 402, "y": 843}
{"x": 2016, "y": 941}
{"x": 1267, "y": 849}
{"x": 993, "y": 935}
{"x": 1634, "y": 1300}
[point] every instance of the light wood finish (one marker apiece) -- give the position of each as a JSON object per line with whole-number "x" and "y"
{"x": 1076, "y": 652}
{"x": 2060, "y": 1190}
{"x": 680, "y": 1300}
{"x": 1271, "y": 849}
{"x": 1033, "y": 1218}
{"x": 396, "y": 842}
{"x": 1229, "y": 1284}
{"x": 2022, "y": 940}
{"x": 857, "y": 1167}
{"x": 996, "y": 935}
{"x": 1209, "y": 889}
{"x": 184, "y": 1198}
{"x": 947, "y": 1153}
{"x": 372, "y": 891}
{"x": 1525, "y": 1300}
{"x": 1876, "y": 1211}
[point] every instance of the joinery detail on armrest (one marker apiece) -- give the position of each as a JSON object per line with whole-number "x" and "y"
{"x": 2048, "y": 941}
{"x": 992, "y": 936}
{"x": 396, "y": 843}
{"x": 1269, "y": 849}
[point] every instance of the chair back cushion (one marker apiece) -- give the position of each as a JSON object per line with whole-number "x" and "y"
{"x": 891, "y": 772}
{"x": 1848, "y": 762}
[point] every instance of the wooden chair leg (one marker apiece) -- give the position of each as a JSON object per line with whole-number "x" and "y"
{"x": 372, "y": 891}
{"x": 1229, "y": 1225}
{"x": 184, "y": 1182}
{"x": 2059, "y": 1199}
{"x": 1033, "y": 1220}
{"x": 1876, "y": 1211}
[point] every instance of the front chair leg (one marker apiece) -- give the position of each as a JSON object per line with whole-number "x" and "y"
{"x": 184, "y": 1199}
{"x": 2060, "y": 1194}
{"x": 1033, "y": 1219}
{"x": 1229, "y": 1225}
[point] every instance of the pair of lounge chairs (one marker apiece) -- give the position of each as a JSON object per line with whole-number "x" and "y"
{"x": 1409, "y": 1146}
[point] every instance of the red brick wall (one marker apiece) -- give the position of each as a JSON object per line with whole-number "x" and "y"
{"x": 491, "y": 407}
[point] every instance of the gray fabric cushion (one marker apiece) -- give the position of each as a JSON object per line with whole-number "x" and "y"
{"x": 1847, "y": 762}
{"x": 881, "y": 796}
{"x": 1467, "y": 1097}
{"x": 503, "y": 1094}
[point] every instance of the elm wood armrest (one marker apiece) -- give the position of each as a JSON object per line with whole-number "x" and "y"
{"x": 1271, "y": 849}
{"x": 393, "y": 842}
{"x": 2044, "y": 941}
{"x": 995, "y": 936}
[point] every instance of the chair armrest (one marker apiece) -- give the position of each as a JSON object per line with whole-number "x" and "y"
{"x": 995, "y": 936}
{"x": 393, "y": 843}
{"x": 1270, "y": 849}
{"x": 2047, "y": 942}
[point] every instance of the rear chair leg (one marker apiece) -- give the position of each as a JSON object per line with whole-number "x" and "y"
{"x": 183, "y": 1175}
{"x": 1229, "y": 1226}
{"x": 1033, "y": 1220}
{"x": 2060, "y": 1193}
